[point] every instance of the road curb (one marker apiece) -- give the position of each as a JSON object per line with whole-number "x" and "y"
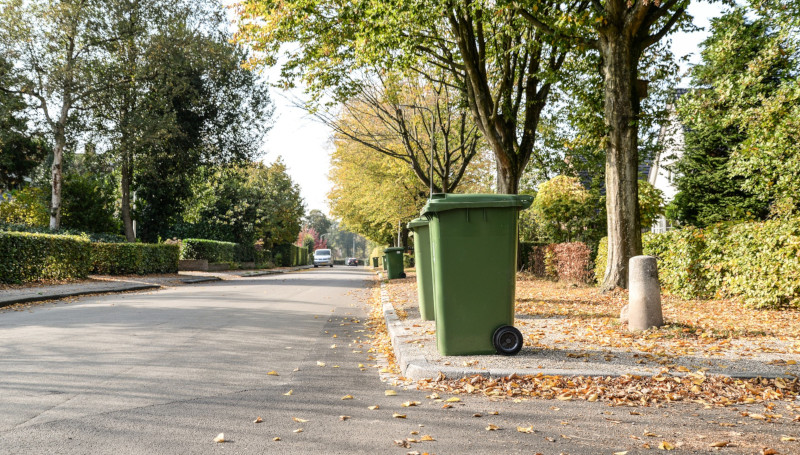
{"x": 203, "y": 279}
{"x": 41, "y": 298}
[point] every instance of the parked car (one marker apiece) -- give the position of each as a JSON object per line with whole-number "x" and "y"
{"x": 351, "y": 261}
{"x": 323, "y": 257}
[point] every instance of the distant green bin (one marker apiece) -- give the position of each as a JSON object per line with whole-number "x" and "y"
{"x": 422, "y": 263}
{"x": 375, "y": 262}
{"x": 394, "y": 258}
{"x": 474, "y": 254}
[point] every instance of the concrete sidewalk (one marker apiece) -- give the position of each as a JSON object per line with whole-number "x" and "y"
{"x": 414, "y": 344}
{"x": 103, "y": 284}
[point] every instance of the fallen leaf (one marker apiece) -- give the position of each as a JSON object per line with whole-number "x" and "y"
{"x": 402, "y": 443}
{"x": 347, "y": 397}
{"x": 273, "y": 373}
{"x": 320, "y": 364}
{"x": 785, "y": 438}
{"x": 374, "y": 408}
{"x": 258, "y": 420}
{"x": 476, "y": 415}
{"x": 299, "y": 420}
{"x": 719, "y": 444}
{"x": 299, "y": 430}
{"x": 492, "y": 427}
{"x": 398, "y": 416}
{"x": 276, "y": 439}
{"x": 220, "y": 438}
{"x": 621, "y": 453}
{"x": 494, "y": 413}
{"x": 758, "y": 416}
{"x": 666, "y": 446}
{"x": 289, "y": 393}
{"x": 427, "y": 437}
{"x": 390, "y": 393}
{"x": 525, "y": 429}
{"x": 343, "y": 418}
{"x": 766, "y": 451}
{"x": 409, "y": 404}
{"x": 453, "y": 400}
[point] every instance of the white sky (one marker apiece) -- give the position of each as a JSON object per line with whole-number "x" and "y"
{"x": 304, "y": 143}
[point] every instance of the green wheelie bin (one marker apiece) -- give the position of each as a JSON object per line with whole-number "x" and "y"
{"x": 422, "y": 263}
{"x": 394, "y": 258}
{"x": 375, "y": 262}
{"x": 474, "y": 256}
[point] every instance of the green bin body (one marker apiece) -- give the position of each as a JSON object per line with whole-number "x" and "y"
{"x": 375, "y": 262}
{"x": 384, "y": 262}
{"x": 394, "y": 260}
{"x": 474, "y": 257}
{"x": 422, "y": 263}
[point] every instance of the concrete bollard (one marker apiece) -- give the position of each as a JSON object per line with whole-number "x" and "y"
{"x": 644, "y": 294}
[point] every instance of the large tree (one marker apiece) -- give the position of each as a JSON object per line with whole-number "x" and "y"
{"x": 707, "y": 193}
{"x": 21, "y": 150}
{"x": 420, "y": 122}
{"x": 503, "y": 66}
{"x": 56, "y": 46}
{"x": 244, "y": 203}
{"x": 183, "y": 100}
{"x": 620, "y": 31}
{"x": 768, "y": 160}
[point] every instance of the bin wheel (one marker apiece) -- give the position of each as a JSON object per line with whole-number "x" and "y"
{"x": 315, "y": 266}
{"x": 331, "y": 265}
{"x": 402, "y": 274}
{"x": 507, "y": 340}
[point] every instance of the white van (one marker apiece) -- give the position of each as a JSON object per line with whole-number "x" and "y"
{"x": 323, "y": 257}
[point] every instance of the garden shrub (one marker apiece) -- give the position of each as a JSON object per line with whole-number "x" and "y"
{"x": 244, "y": 252}
{"x": 134, "y": 258}
{"x": 542, "y": 261}
{"x": 756, "y": 262}
{"x": 30, "y": 257}
{"x": 210, "y": 250}
{"x": 408, "y": 261}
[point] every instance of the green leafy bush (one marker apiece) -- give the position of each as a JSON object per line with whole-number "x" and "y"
{"x": 27, "y": 206}
{"x": 244, "y": 253}
{"x": 134, "y": 258}
{"x": 210, "y": 250}
{"x": 31, "y": 257}
{"x": 756, "y": 262}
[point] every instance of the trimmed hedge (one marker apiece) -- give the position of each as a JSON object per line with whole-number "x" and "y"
{"x": 756, "y": 262}
{"x": 210, "y": 250}
{"x": 134, "y": 258}
{"x": 290, "y": 255}
{"x": 26, "y": 256}
{"x": 93, "y": 236}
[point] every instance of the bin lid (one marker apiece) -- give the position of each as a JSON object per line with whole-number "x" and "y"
{"x": 394, "y": 249}
{"x": 418, "y": 222}
{"x": 445, "y": 201}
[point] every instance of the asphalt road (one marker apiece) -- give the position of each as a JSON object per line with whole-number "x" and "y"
{"x": 167, "y": 371}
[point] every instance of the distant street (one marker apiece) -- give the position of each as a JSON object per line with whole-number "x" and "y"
{"x": 167, "y": 371}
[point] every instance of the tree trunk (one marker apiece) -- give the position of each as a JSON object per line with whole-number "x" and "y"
{"x": 507, "y": 176}
{"x": 125, "y": 187}
{"x": 622, "y": 158}
{"x": 56, "y": 176}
